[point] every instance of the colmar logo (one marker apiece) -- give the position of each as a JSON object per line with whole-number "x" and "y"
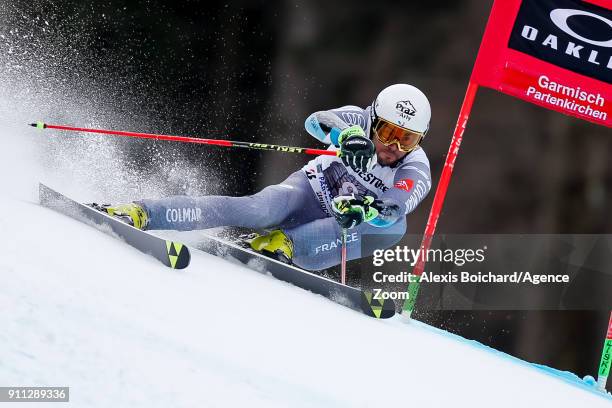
{"x": 406, "y": 109}
{"x": 404, "y": 184}
{"x": 183, "y": 214}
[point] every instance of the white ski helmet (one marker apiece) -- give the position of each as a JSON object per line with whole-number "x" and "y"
{"x": 403, "y": 105}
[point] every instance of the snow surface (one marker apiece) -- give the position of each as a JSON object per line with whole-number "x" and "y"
{"x": 81, "y": 309}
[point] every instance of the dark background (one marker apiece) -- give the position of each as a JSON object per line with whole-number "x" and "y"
{"x": 254, "y": 70}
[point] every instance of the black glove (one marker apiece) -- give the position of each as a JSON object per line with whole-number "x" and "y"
{"x": 356, "y": 150}
{"x": 352, "y": 210}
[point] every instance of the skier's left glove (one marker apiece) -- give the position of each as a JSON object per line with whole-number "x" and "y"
{"x": 352, "y": 210}
{"x": 356, "y": 150}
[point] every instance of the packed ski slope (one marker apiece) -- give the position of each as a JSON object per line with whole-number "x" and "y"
{"x": 81, "y": 309}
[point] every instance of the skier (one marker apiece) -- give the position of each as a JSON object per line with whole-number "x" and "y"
{"x": 380, "y": 176}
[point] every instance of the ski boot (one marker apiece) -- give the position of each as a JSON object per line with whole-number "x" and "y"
{"x": 275, "y": 244}
{"x": 132, "y": 213}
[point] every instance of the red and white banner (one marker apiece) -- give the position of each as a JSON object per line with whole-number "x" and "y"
{"x": 554, "y": 53}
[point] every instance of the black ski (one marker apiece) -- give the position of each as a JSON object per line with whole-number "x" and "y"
{"x": 172, "y": 254}
{"x": 177, "y": 255}
{"x": 355, "y": 298}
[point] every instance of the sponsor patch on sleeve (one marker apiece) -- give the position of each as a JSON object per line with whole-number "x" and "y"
{"x": 404, "y": 184}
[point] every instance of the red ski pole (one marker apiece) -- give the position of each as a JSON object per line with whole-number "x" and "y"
{"x": 196, "y": 140}
{"x": 436, "y": 208}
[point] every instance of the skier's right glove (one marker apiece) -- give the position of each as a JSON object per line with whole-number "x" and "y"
{"x": 352, "y": 210}
{"x": 356, "y": 150}
{"x": 132, "y": 213}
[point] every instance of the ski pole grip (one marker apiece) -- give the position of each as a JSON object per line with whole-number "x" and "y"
{"x": 39, "y": 125}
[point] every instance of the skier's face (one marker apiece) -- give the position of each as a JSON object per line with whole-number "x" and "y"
{"x": 388, "y": 155}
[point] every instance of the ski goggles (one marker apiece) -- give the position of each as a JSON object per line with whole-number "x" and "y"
{"x": 389, "y": 133}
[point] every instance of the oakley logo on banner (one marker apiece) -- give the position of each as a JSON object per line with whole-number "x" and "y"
{"x": 561, "y": 16}
{"x": 571, "y": 34}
